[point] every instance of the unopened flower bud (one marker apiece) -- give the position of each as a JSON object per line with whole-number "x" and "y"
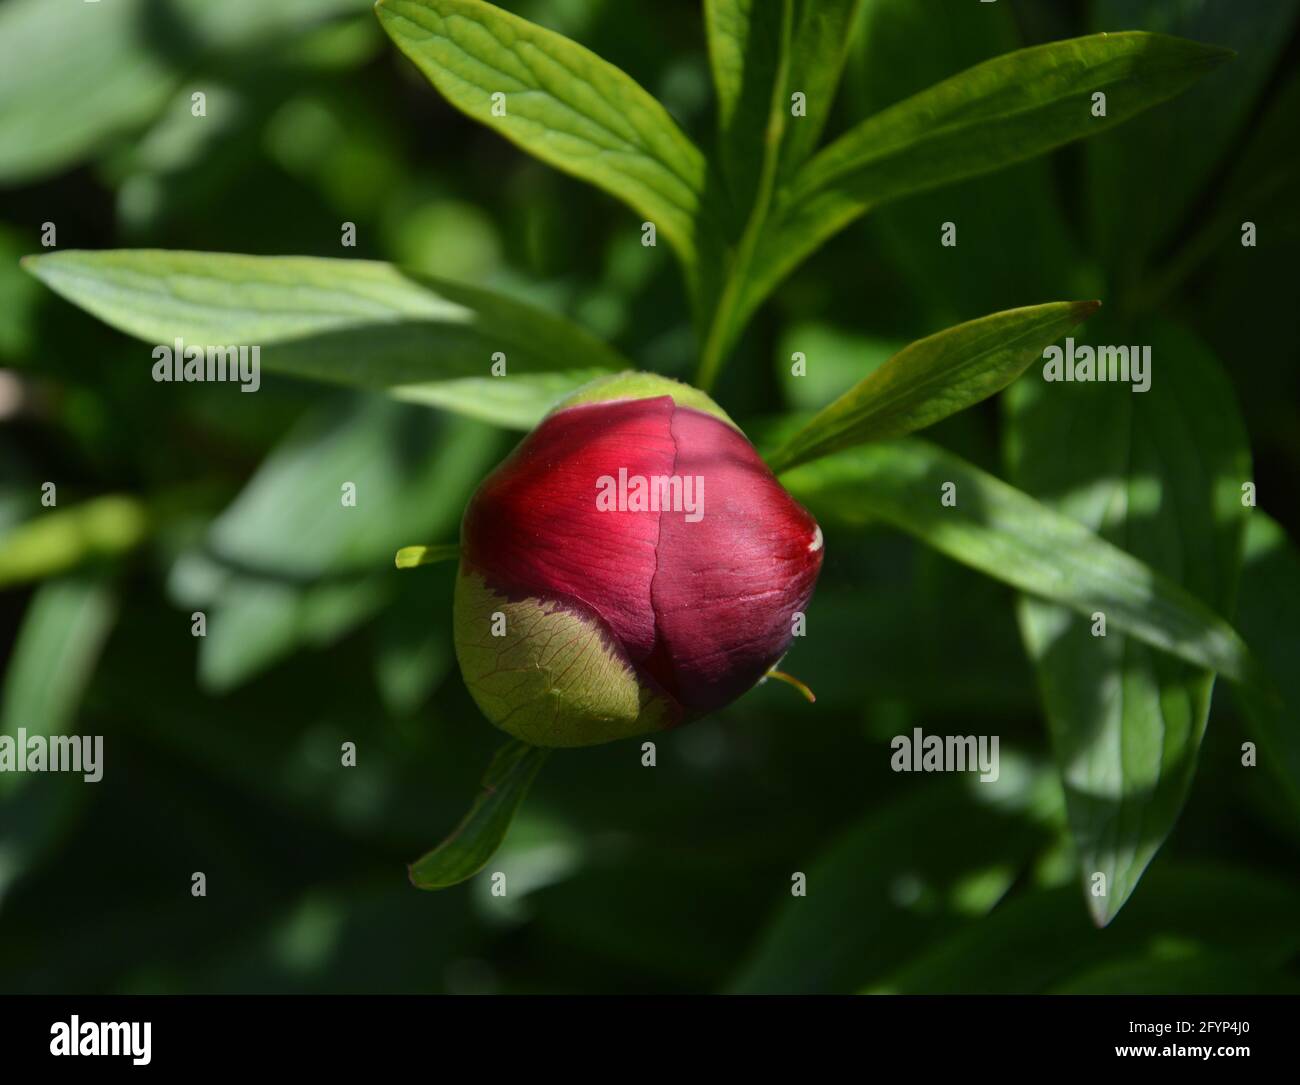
{"x": 632, "y": 565}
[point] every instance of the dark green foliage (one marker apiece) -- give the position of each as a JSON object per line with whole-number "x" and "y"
{"x": 225, "y": 750}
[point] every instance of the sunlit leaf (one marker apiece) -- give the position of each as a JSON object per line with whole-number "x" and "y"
{"x": 1000, "y": 112}
{"x": 751, "y": 43}
{"x": 75, "y": 74}
{"x": 763, "y": 55}
{"x": 292, "y": 562}
{"x": 353, "y": 322}
{"x": 1159, "y": 473}
{"x": 58, "y": 647}
{"x": 834, "y": 359}
{"x": 1005, "y": 533}
{"x": 933, "y": 378}
{"x": 559, "y": 102}
{"x": 54, "y": 540}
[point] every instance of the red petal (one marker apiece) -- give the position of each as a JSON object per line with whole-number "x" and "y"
{"x": 533, "y": 528}
{"x": 727, "y": 586}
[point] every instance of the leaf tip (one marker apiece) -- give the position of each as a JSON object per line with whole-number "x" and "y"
{"x": 1102, "y": 910}
{"x": 1082, "y": 310}
{"x": 1212, "y": 57}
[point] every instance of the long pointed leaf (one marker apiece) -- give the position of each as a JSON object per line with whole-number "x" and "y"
{"x": 1160, "y": 474}
{"x": 1003, "y": 111}
{"x": 1269, "y": 617}
{"x": 353, "y": 322}
{"x": 1006, "y": 534}
{"x": 560, "y": 102}
{"x": 746, "y": 50}
{"x": 1182, "y": 146}
{"x": 58, "y": 646}
{"x": 467, "y": 850}
{"x": 1015, "y": 241}
{"x": 762, "y": 55}
{"x": 933, "y": 378}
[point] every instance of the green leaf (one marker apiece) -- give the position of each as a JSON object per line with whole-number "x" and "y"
{"x": 562, "y": 104}
{"x": 884, "y": 67}
{"x": 750, "y": 53}
{"x": 929, "y": 615}
{"x": 352, "y": 322}
{"x": 1180, "y": 148}
{"x": 519, "y": 402}
{"x": 466, "y": 851}
{"x": 75, "y": 74}
{"x": 411, "y": 556}
{"x": 411, "y": 472}
{"x": 1268, "y": 614}
{"x": 834, "y": 358}
{"x": 34, "y": 821}
{"x": 59, "y": 643}
{"x": 1003, "y": 111}
{"x": 288, "y": 564}
{"x": 1009, "y": 536}
{"x": 940, "y": 857}
{"x": 1263, "y": 188}
{"x": 1015, "y": 243}
{"x": 761, "y": 54}
{"x": 70, "y": 75}
{"x": 18, "y": 299}
{"x": 933, "y": 378}
{"x": 1160, "y": 474}
{"x": 752, "y": 45}
{"x": 254, "y": 623}
{"x": 1039, "y": 941}
{"x": 1202, "y": 974}
{"x": 818, "y": 49}
{"x": 55, "y": 540}
{"x": 413, "y": 650}
{"x": 748, "y": 43}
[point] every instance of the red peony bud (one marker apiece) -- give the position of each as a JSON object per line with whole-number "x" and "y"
{"x": 631, "y": 566}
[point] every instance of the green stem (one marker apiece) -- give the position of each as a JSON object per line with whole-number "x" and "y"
{"x": 721, "y": 333}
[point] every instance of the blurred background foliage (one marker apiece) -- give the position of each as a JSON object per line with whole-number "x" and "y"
{"x": 222, "y": 752}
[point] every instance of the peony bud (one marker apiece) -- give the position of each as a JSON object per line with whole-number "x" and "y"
{"x": 632, "y": 565}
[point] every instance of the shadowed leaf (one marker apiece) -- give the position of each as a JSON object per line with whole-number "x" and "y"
{"x": 466, "y": 851}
